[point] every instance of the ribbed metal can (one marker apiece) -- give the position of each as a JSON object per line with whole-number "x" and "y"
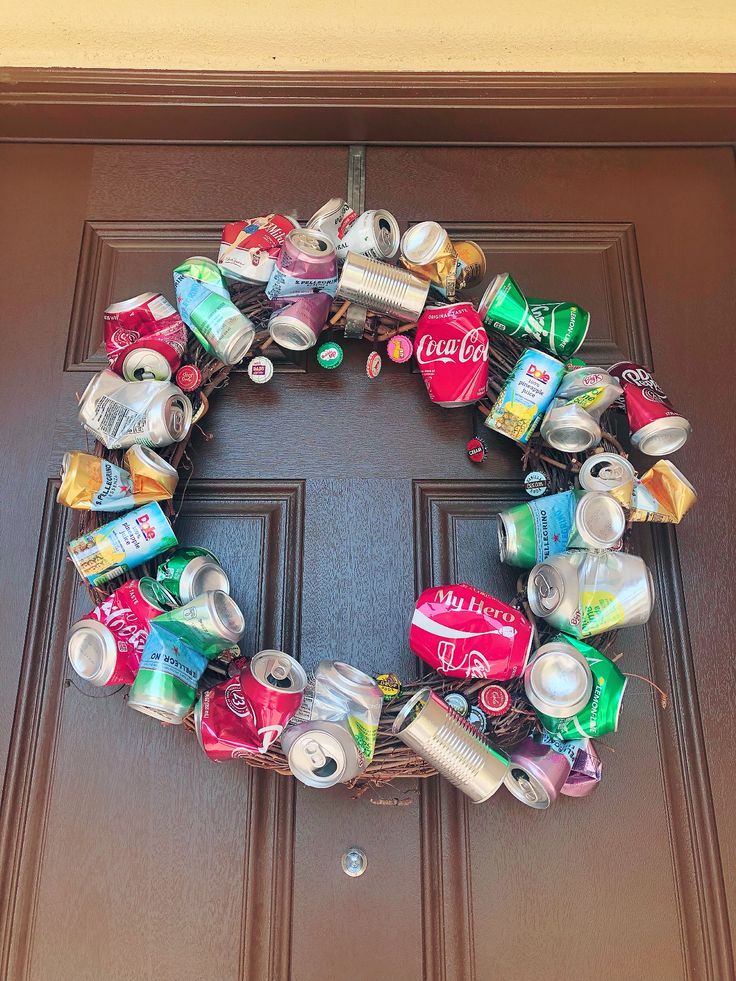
{"x": 450, "y": 744}
{"x": 385, "y": 289}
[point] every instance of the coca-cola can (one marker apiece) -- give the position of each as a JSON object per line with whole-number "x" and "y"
{"x": 333, "y": 219}
{"x": 104, "y": 646}
{"x": 273, "y": 683}
{"x": 249, "y": 249}
{"x": 375, "y": 235}
{"x": 225, "y": 722}
{"x": 657, "y": 429}
{"x": 144, "y": 337}
{"x": 462, "y": 632}
{"x": 382, "y": 288}
{"x": 452, "y": 353}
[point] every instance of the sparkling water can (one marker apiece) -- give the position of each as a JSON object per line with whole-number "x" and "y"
{"x": 558, "y": 680}
{"x": 599, "y": 521}
{"x": 307, "y": 263}
{"x": 382, "y": 288}
{"x": 298, "y": 325}
{"x": 190, "y": 571}
{"x": 452, "y": 354}
{"x": 206, "y": 308}
{"x": 165, "y": 685}
{"x": 210, "y": 623}
{"x": 104, "y": 646}
{"x": 273, "y": 684}
{"x": 122, "y": 544}
{"x": 537, "y": 773}
{"x": 530, "y": 532}
{"x": 585, "y": 593}
{"x": 525, "y": 396}
{"x": 452, "y": 745}
{"x": 462, "y": 632}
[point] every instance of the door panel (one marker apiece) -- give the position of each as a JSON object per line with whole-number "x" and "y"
{"x": 333, "y": 499}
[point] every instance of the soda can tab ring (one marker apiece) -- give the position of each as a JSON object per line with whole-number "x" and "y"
{"x": 511, "y": 689}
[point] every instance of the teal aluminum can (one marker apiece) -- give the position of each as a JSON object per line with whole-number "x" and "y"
{"x": 122, "y": 544}
{"x": 165, "y": 686}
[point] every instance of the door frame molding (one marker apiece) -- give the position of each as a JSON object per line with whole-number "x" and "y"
{"x": 447, "y": 108}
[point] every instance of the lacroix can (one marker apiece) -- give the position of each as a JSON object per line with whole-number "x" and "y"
{"x": 307, "y": 263}
{"x": 273, "y": 684}
{"x": 165, "y": 685}
{"x": 249, "y": 249}
{"x": 657, "y": 429}
{"x": 210, "y": 623}
{"x": 525, "y": 396}
{"x": 586, "y": 593}
{"x": 190, "y": 571}
{"x": 122, "y": 544}
{"x": 225, "y": 722}
{"x": 462, "y": 632}
{"x": 144, "y": 337}
{"x": 451, "y": 349}
{"x": 601, "y": 713}
{"x": 452, "y": 745}
{"x": 105, "y": 645}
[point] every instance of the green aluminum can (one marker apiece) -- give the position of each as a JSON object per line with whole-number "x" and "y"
{"x": 190, "y": 571}
{"x": 564, "y": 326}
{"x": 531, "y": 532}
{"x": 210, "y": 624}
{"x": 165, "y": 686}
{"x": 505, "y": 308}
{"x": 602, "y": 712}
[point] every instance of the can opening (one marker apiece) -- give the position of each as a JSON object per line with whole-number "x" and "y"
{"x": 525, "y": 785}
{"x": 412, "y": 710}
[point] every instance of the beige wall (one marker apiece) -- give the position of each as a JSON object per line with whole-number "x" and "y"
{"x": 516, "y": 35}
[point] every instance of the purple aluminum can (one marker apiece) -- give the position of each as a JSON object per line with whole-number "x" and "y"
{"x": 537, "y": 773}
{"x": 585, "y": 774}
{"x": 306, "y": 264}
{"x": 298, "y": 325}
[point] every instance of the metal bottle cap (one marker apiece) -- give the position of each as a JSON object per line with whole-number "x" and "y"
{"x": 662, "y": 436}
{"x": 599, "y": 520}
{"x": 558, "y": 680}
{"x": 143, "y": 364}
{"x": 92, "y": 651}
{"x": 570, "y": 428}
{"x": 321, "y": 754}
{"x": 226, "y": 615}
{"x": 421, "y": 242}
{"x": 202, "y": 575}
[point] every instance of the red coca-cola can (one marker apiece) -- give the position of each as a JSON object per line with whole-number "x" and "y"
{"x": 225, "y": 722}
{"x": 462, "y": 632}
{"x": 105, "y": 646}
{"x": 451, "y": 349}
{"x": 144, "y": 337}
{"x": 656, "y": 427}
{"x": 273, "y": 684}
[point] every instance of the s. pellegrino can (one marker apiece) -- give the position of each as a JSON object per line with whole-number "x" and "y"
{"x": 452, "y": 745}
{"x": 537, "y": 772}
{"x": 602, "y": 711}
{"x": 165, "y": 686}
{"x": 190, "y": 571}
{"x": 122, "y": 544}
{"x": 206, "y": 308}
{"x": 530, "y": 532}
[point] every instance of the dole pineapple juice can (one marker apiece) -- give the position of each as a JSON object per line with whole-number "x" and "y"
{"x": 526, "y": 395}
{"x": 122, "y": 544}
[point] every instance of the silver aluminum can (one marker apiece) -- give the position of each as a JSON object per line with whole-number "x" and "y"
{"x": 606, "y": 472}
{"x": 450, "y": 744}
{"x": 202, "y": 575}
{"x": 570, "y": 428}
{"x": 278, "y": 671}
{"x": 557, "y": 585}
{"x": 321, "y": 754}
{"x": 385, "y": 289}
{"x": 120, "y": 414}
{"x": 92, "y": 651}
{"x": 600, "y": 522}
{"x": 333, "y": 219}
{"x": 375, "y": 235}
{"x": 558, "y": 680}
{"x": 144, "y": 364}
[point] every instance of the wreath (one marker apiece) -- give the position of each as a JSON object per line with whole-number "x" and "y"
{"x": 277, "y": 285}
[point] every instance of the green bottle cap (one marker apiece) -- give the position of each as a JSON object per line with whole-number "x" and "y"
{"x": 329, "y": 355}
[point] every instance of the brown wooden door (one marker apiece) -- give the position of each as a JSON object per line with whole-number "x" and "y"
{"x": 332, "y": 500}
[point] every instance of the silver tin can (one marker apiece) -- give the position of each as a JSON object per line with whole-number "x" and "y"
{"x": 557, "y": 586}
{"x": 606, "y": 472}
{"x": 570, "y": 429}
{"x": 450, "y": 744}
{"x": 558, "y": 680}
{"x": 600, "y": 522}
{"x": 144, "y": 364}
{"x": 375, "y": 235}
{"x": 321, "y": 754}
{"x": 385, "y": 289}
{"x": 333, "y": 219}
{"x": 92, "y": 651}
{"x": 121, "y": 413}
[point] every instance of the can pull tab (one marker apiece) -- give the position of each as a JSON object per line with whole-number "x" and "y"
{"x": 528, "y": 790}
{"x": 278, "y": 674}
{"x": 548, "y": 593}
{"x": 316, "y": 757}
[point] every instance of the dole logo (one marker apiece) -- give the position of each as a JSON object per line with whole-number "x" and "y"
{"x": 538, "y": 373}
{"x": 144, "y": 523}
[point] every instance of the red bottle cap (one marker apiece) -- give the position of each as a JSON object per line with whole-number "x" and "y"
{"x": 494, "y": 700}
{"x": 476, "y": 449}
{"x": 189, "y": 378}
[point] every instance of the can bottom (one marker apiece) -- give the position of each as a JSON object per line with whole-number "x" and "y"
{"x": 158, "y": 711}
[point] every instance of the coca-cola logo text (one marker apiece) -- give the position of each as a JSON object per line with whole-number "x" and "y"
{"x": 472, "y": 347}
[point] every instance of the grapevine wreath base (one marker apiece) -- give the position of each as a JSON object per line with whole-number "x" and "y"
{"x": 392, "y": 759}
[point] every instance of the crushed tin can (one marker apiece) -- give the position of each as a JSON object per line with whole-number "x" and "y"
{"x": 537, "y": 772}
{"x": 165, "y": 685}
{"x": 322, "y": 754}
{"x": 451, "y": 351}
{"x": 91, "y": 483}
{"x": 610, "y": 473}
{"x": 299, "y": 325}
{"x": 273, "y": 685}
{"x": 426, "y": 250}
{"x": 663, "y": 494}
{"x": 558, "y": 680}
{"x": 206, "y": 308}
{"x": 333, "y": 219}
{"x": 210, "y": 623}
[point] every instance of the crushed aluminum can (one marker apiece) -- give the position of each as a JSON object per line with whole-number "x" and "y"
{"x": 249, "y": 249}
{"x": 375, "y": 234}
{"x": 306, "y": 264}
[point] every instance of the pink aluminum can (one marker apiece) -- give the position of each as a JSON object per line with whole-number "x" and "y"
{"x": 463, "y": 632}
{"x": 298, "y": 325}
{"x": 307, "y": 263}
{"x": 105, "y": 646}
{"x": 451, "y": 349}
{"x": 149, "y": 322}
{"x": 537, "y": 772}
